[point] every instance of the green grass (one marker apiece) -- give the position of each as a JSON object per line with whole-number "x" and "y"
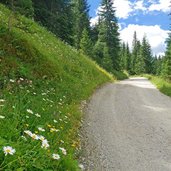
{"x": 39, "y": 73}
{"x": 163, "y": 85}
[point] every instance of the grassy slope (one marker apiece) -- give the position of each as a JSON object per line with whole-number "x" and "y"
{"x": 40, "y": 73}
{"x": 163, "y": 85}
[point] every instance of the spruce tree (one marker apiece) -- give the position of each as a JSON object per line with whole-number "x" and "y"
{"x": 56, "y": 15}
{"x": 139, "y": 62}
{"x": 123, "y": 56}
{"x": 166, "y": 68}
{"x": 24, "y": 7}
{"x": 94, "y": 31}
{"x": 81, "y": 20}
{"x": 134, "y": 53}
{"x": 157, "y": 65}
{"x": 147, "y": 55}
{"x": 86, "y": 43}
{"x": 128, "y": 59}
{"x": 101, "y": 47}
{"x": 108, "y": 37}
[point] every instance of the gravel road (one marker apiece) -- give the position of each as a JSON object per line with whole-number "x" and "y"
{"x": 127, "y": 127}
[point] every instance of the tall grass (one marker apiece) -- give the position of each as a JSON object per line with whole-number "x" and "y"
{"x": 162, "y": 84}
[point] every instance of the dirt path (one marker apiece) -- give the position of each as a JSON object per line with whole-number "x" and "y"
{"x": 127, "y": 127}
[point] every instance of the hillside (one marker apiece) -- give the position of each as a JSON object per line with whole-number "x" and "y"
{"x": 42, "y": 84}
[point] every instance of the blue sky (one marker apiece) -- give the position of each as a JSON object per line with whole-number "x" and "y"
{"x": 148, "y": 18}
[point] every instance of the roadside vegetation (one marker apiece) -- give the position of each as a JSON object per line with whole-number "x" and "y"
{"x": 42, "y": 84}
{"x": 164, "y": 85}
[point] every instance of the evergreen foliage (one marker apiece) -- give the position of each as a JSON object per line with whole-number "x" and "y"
{"x": 147, "y": 55}
{"x": 24, "y": 7}
{"x": 128, "y": 59}
{"x": 81, "y": 20}
{"x": 139, "y": 60}
{"x": 134, "y": 53}
{"x": 123, "y": 56}
{"x": 56, "y": 15}
{"x": 108, "y": 43}
{"x": 86, "y": 43}
{"x": 166, "y": 67}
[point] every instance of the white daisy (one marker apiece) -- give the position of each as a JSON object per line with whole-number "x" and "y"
{"x": 54, "y": 130}
{"x": 63, "y": 150}
{"x": 45, "y": 144}
{"x": 12, "y": 81}
{"x": 42, "y": 138}
{"x": 2, "y": 117}
{"x": 30, "y": 111}
{"x": 56, "y": 156}
{"x": 41, "y": 129}
{"x": 8, "y": 150}
{"x": 55, "y": 121}
{"x": 39, "y": 116}
{"x": 28, "y": 132}
{"x": 62, "y": 141}
{"x": 34, "y": 136}
{"x": 22, "y": 79}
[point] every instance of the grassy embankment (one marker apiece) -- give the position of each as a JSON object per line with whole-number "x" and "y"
{"x": 42, "y": 83}
{"x": 162, "y": 84}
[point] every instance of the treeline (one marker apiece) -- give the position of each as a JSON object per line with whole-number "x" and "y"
{"x": 140, "y": 59}
{"x": 70, "y": 21}
{"x": 165, "y": 63}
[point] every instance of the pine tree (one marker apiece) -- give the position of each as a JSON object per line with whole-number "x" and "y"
{"x": 86, "y": 43}
{"x": 108, "y": 37}
{"x": 123, "y": 56}
{"x": 157, "y": 65}
{"x": 106, "y": 60}
{"x": 139, "y": 62}
{"x": 101, "y": 46}
{"x": 166, "y": 68}
{"x": 56, "y": 15}
{"x": 24, "y": 7}
{"x": 134, "y": 53}
{"x": 128, "y": 59}
{"x": 94, "y": 31}
{"x": 81, "y": 20}
{"x": 147, "y": 55}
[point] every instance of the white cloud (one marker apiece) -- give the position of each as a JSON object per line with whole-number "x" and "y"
{"x": 162, "y": 5}
{"x": 139, "y": 5}
{"x": 94, "y": 21}
{"x": 123, "y": 8}
{"x": 155, "y": 35}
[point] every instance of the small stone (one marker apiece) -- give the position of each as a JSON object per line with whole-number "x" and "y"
{"x": 81, "y": 167}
